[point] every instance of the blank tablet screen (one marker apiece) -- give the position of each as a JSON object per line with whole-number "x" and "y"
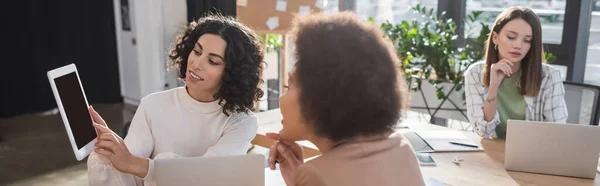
{"x": 71, "y": 96}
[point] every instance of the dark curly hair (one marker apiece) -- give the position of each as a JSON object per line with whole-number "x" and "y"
{"x": 347, "y": 76}
{"x": 243, "y": 60}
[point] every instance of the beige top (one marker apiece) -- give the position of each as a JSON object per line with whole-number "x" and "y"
{"x": 382, "y": 162}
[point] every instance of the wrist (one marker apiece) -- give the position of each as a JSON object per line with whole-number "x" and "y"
{"x": 494, "y": 84}
{"x": 492, "y": 91}
{"x": 139, "y": 167}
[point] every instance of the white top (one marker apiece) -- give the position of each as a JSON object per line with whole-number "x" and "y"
{"x": 172, "y": 122}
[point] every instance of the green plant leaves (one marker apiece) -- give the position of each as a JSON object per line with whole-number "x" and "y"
{"x": 549, "y": 57}
{"x": 428, "y": 47}
{"x": 274, "y": 41}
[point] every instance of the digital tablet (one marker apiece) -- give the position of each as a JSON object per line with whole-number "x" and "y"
{"x": 73, "y": 107}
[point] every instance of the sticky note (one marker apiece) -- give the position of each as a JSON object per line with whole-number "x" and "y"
{"x": 320, "y": 4}
{"x": 272, "y": 23}
{"x": 304, "y": 10}
{"x": 281, "y": 6}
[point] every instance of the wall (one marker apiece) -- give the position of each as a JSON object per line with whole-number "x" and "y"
{"x": 142, "y": 51}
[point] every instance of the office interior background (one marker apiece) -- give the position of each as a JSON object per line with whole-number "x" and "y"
{"x": 120, "y": 47}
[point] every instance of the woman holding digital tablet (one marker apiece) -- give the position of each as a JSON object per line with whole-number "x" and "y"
{"x": 220, "y": 61}
{"x": 513, "y": 82}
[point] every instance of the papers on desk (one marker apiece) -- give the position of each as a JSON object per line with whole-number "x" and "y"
{"x": 447, "y": 141}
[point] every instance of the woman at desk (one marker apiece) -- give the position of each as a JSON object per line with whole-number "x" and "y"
{"x": 345, "y": 96}
{"x": 513, "y": 82}
{"x": 220, "y": 61}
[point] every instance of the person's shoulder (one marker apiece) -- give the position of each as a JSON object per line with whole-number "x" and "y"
{"x": 404, "y": 144}
{"x": 160, "y": 97}
{"x": 550, "y": 72}
{"x": 247, "y": 114}
{"x": 475, "y": 68}
{"x": 247, "y": 118}
{"x": 308, "y": 174}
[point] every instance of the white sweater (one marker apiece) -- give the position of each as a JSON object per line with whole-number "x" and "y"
{"x": 173, "y": 122}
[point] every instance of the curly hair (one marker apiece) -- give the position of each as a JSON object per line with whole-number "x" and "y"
{"x": 243, "y": 60}
{"x": 347, "y": 76}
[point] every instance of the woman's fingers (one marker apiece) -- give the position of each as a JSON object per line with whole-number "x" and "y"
{"x": 95, "y": 116}
{"x": 295, "y": 148}
{"x": 508, "y": 62}
{"x": 109, "y": 137}
{"x": 502, "y": 67}
{"x": 507, "y": 69}
{"x": 272, "y": 156}
{"x": 103, "y": 152}
{"x": 102, "y": 128}
{"x": 288, "y": 155}
{"x": 274, "y": 136}
{"x": 509, "y": 65}
{"x": 107, "y": 145}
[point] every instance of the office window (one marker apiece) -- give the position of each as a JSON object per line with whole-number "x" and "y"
{"x": 275, "y": 72}
{"x": 592, "y": 66}
{"x": 394, "y": 11}
{"x": 551, "y": 13}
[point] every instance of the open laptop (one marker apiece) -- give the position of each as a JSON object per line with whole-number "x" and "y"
{"x": 552, "y": 148}
{"x": 217, "y": 170}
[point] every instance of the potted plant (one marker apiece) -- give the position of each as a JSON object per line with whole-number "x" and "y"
{"x": 434, "y": 61}
{"x": 550, "y": 61}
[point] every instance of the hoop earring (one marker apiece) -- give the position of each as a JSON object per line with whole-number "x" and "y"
{"x": 496, "y": 46}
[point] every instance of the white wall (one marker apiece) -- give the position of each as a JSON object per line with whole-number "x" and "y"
{"x": 142, "y": 67}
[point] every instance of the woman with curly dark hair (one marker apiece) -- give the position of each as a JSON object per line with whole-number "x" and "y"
{"x": 345, "y": 96}
{"x": 220, "y": 61}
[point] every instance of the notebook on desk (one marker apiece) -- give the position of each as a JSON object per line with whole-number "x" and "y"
{"x": 441, "y": 141}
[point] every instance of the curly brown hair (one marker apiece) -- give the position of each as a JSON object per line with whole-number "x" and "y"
{"x": 243, "y": 60}
{"x": 347, "y": 75}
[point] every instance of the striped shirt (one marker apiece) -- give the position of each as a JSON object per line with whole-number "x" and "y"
{"x": 549, "y": 105}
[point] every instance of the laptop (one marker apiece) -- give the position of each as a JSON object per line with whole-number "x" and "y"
{"x": 216, "y": 170}
{"x": 552, "y": 148}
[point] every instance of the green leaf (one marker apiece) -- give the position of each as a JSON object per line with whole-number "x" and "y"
{"x": 426, "y": 49}
{"x": 439, "y": 93}
{"x": 463, "y": 56}
{"x": 413, "y": 32}
{"x": 406, "y": 61}
{"x": 549, "y": 57}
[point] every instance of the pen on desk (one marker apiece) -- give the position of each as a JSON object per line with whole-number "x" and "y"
{"x": 463, "y": 144}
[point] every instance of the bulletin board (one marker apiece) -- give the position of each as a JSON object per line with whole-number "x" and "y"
{"x": 274, "y": 16}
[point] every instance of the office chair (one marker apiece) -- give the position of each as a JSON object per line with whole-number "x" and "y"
{"x": 582, "y": 103}
{"x": 125, "y": 129}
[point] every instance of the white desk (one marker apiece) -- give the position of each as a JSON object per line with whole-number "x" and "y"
{"x": 478, "y": 168}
